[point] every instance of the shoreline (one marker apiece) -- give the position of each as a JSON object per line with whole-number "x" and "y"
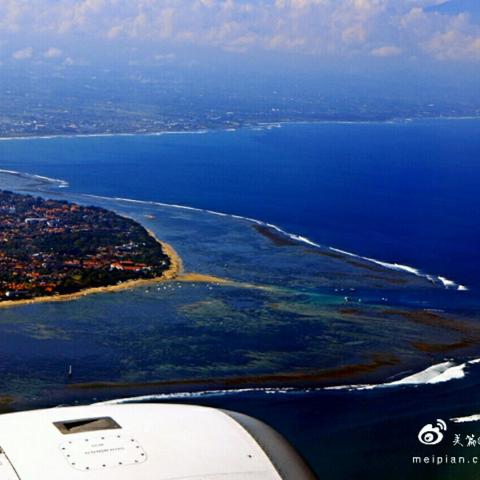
{"x": 175, "y": 269}
{"x": 258, "y": 125}
{"x": 434, "y": 279}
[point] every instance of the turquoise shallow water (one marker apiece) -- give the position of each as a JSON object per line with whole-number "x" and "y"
{"x": 291, "y": 307}
{"x": 401, "y": 192}
{"x": 394, "y": 192}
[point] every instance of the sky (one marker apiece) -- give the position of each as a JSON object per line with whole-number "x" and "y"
{"x": 157, "y": 31}
{"x": 416, "y": 51}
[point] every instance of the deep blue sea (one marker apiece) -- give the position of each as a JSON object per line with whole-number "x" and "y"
{"x": 405, "y": 192}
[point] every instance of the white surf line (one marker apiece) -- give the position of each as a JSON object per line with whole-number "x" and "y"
{"x": 470, "y": 418}
{"x": 435, "y": 374}
{"x": 439, "y": 373}
{"x": 391, "y": 121}
{"x": 199, "y": 394}
{"x": 254, "y": 126}
{"x": 94, "y": 135}
{"x": 447, "y": 284}
{"x": 61, "y": 183}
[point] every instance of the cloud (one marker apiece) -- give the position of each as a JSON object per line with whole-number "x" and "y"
{"x": 386, "y": 51}
{"x": 355, "y": 33}
{"x": 454, "y": 45}
{"x": 52, "y": 52}
{"x": 70, "y": 62}
{"x": 164, "y": 56}
{"x": 23, "y": 54}
{"x": 341, "y": 28}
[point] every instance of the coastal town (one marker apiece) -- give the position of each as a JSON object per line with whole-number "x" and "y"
{"x": 52, "y": 247}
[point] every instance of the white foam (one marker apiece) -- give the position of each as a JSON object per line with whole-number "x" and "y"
{"x": 298, "y": 238}
{"x": 95, "y": 135}
{"x": 448, "y": 284}
{"x": 267, "y": 126}
{"x": 435, "y": 374}
{"x": 470, "y": 418}
{"x": 199, "y": 394}
{"x": 442, "y": 372}
{"x": 439, "y": 373}
{"x": 58, "y": 181}
{"x": 445, "y": 282}
{"x": 257, "y": 126}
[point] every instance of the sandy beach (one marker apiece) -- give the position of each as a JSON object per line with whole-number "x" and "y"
{"x": 174, "y": 272}
{"x": 175, "y": 269}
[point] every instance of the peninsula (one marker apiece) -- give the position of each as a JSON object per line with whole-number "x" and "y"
{"x": 55, "y": 249}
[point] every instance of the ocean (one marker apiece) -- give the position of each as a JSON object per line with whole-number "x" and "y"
{"x": 401, "y": 192}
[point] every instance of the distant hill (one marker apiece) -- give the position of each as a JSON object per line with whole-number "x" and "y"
{"x": 454, "y": 7}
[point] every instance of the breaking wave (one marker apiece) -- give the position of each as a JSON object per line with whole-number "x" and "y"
{"x": 199, "y": 394}
{"x": 93, "y": 135}
{"x": 435, "y": 374}
{"x": 439, "y": 373}
{"x": 448, "y": 284}
{"x": 437, "y": 279}
{"x": 57, "y": 181}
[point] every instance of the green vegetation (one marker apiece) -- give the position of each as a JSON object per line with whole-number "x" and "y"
{"x": 51, "y": 247}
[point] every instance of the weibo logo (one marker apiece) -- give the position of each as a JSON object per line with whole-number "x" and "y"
{"x": 432, "y": 434}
